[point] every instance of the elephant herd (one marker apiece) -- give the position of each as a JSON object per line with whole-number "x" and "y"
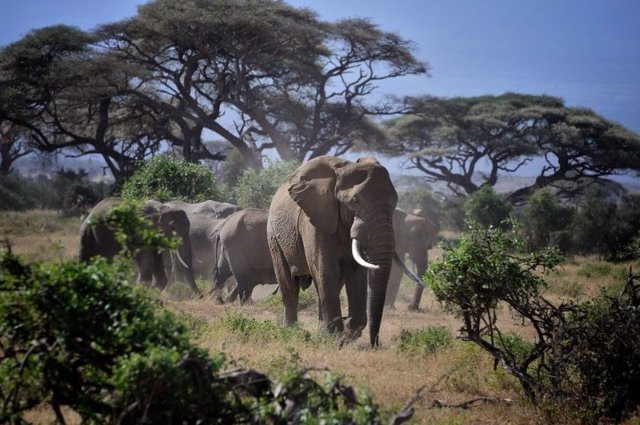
{"x": 333, "y": 223}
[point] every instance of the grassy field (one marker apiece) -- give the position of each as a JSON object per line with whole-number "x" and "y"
{"x": 447, "y": 370}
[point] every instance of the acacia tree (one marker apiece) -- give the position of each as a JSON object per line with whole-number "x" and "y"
{"x": 468, "y": 143}
{"x": 262, "y": 75}
{"x": 68, "y": 97}
{"x": 13, "y": 145}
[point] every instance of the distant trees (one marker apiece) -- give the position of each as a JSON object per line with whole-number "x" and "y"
{"x": 468, "y": 142}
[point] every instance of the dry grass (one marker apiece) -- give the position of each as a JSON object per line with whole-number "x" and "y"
{"x": 453, "y": 374}
{"x": 41, "y": 235}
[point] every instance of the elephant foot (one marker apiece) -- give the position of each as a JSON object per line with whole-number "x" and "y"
{"x": 413, "y": 307}
{"x": 390, "y": 306}
{"x": 217, "y": 298}
{"x": 334, "y": 327}
{"x": 351, "y": 332}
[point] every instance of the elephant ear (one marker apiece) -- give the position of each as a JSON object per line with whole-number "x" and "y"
{"x": 312, "y": 187}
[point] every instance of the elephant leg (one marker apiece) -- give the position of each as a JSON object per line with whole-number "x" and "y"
{"x": 159, "y": 272}
{"x": 144, "y": 260}
{"x": 244, "y": 287}
{"x": 417, "y": 294}
{"x": 355, "y": 283}
{"x": 394, "y": 286}
{"x": 329, "y": 285}
{"x": 288, "y": 288}
{"x": 221, "y": 274}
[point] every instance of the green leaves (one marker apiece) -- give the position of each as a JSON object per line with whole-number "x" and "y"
{"x": 484, "y": 268}
{"x": 165, "y": 179}
{"x": 255, "y": 188}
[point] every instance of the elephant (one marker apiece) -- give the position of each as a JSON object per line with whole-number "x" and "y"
{"x": 243, "y": 252}
{"x": 99, "y": 240}
{"x": 203, "y": 219}
{"x": 320, "y": 221}
{"x": 414, "y": 237}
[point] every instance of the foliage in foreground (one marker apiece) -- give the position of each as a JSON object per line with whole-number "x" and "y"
{"x": 585, "y": 358}
{"x": 166, "y": 179}
{"x": 80, "y": 336}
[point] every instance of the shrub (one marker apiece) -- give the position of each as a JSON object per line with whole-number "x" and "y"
{"x": 543, "y": 219}
{"x": 255, "y": 188}
{"x": 598, "y": 355}
{"x": 80, "y": 335}
{"x": 585, "y": 360}
{"x": 427, "y": 340}
{"x": 164, "y": 179}
{"x": 17, "y": 193}
{"x": 608, "y": 228}
{"x": 486, "y": 207}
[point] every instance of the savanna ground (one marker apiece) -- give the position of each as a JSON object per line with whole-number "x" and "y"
{"x": 251, "y": 336}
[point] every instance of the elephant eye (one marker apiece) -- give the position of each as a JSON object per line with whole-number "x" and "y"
{"x": 354, "y": 199}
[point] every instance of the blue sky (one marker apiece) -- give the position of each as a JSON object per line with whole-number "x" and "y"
{"x": 585, "y": 51}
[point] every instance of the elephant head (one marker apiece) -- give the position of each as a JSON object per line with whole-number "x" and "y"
{"x": 174, "y": 222}
{"x": 352, "y": 203}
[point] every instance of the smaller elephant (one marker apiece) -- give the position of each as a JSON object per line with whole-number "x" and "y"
{"x": 99, "y": 240}
{"x": 203, "y": 219}
{"x": 414, "y": 237}
{"x": 243, "y": 252}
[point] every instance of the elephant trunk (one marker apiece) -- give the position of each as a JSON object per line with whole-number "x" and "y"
{"x": 380, "y": 247}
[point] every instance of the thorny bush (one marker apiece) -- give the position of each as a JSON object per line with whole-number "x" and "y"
{"x": 584, "y": 359}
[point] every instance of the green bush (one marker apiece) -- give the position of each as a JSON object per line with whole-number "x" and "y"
{"x": 598, "y": 353}
{"x": 608, "y": 228}
{"x": 487, "y": 208}
{"x": 585, "y": 360}
{"x": 79, "y": 335}
{"x": 17, "y": 193}
{"x": 255, "y": 188}
{"x": 543, "y": 219}
{"x": 165, "y": 179}
{"x": 427, "y": 340}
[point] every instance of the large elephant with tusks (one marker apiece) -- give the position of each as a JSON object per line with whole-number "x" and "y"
{"x": 332, "y": 221}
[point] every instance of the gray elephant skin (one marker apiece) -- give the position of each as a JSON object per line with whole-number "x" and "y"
{"x": 321, "y": 221}
{"x": 414, "y": 237}
{"x": 243, "y": 253}
{"x": 203, "y": 219}
{"x": 99, "y": 240}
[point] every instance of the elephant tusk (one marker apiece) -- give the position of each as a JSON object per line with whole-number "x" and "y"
{"x": 184, "y": 264}
{"x": 355, "y": 251}
{"x": 406, "y": 270}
